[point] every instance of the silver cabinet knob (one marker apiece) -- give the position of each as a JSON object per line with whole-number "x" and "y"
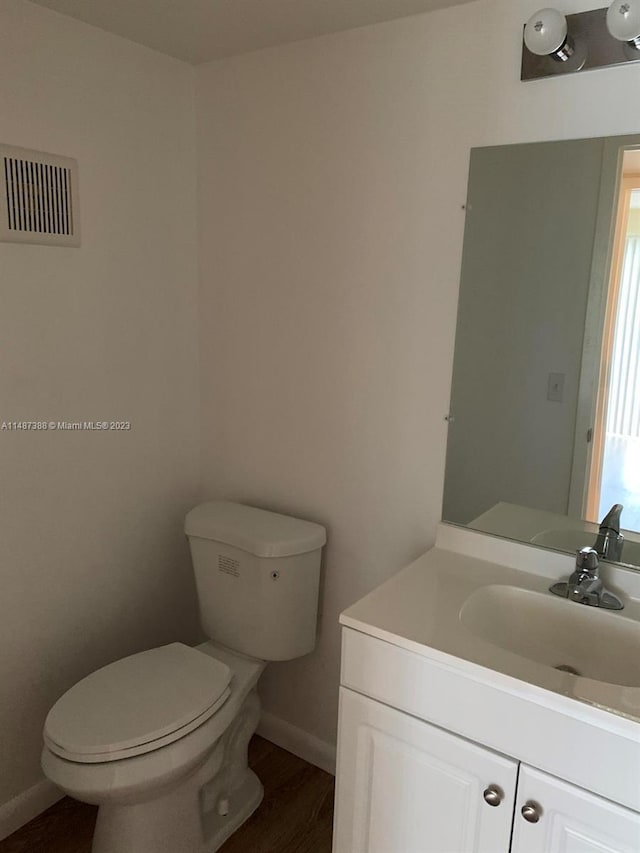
{"x": 531, "y": 811}
{"x": 493, "y": 795}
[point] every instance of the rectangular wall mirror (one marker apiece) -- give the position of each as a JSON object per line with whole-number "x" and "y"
{"x": 544, "y": 424}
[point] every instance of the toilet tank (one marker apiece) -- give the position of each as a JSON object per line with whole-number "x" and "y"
{"x": 257, "y": 575}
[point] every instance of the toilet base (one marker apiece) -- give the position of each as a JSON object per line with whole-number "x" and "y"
{"x": 242, "y": 804}
{"x": 197, "y": 814}
{"x": 166, "y": 824}
{"x": 174, "y": 824}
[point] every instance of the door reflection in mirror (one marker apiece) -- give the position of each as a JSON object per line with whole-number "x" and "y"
{"x": 615, "y": 462}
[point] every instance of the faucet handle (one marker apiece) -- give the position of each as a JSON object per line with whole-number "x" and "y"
{"x": 587, "y": 560}
{"x": 611, "y": 521}
{"x": 585, "y": 585}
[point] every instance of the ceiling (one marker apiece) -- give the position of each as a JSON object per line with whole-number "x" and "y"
{"x": 200, "y": 30}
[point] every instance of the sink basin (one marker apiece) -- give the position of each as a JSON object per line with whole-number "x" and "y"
{"x": 571, "y": 539}
{"x": 585, "y": 641}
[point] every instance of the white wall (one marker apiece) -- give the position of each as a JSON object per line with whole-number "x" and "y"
{"x": 93, "y": 562}
{"x": 332, "y": 174}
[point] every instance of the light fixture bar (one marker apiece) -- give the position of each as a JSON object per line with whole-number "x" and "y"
{"x": 592, "y": 44}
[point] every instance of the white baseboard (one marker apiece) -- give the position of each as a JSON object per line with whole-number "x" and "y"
{"x": 307, "y": 746}
{"x": 27, "y": 805}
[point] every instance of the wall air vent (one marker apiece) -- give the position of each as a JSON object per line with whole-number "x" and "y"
{"x": 38, "y": 198}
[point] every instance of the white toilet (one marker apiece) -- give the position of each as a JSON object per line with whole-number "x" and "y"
{"x": 159, "y": 739}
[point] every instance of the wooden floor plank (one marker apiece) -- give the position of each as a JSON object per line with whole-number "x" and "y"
{"x": 295, "y": 816}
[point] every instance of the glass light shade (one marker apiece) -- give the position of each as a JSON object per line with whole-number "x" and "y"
{"x": 545, "y": 32}
{"x": 623, "y": 20}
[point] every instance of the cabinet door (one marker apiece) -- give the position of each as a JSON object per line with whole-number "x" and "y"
{"x": 571, "y": 820}
{"x": 404, "y": 786}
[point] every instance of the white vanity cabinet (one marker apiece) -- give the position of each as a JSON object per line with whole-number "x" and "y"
{"x": 571, "y": 820}
{"x": 499, "y": 734}
{"x": 406, "y": 786}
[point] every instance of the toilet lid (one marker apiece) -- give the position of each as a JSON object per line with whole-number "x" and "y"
{"x": 136, "y": 704}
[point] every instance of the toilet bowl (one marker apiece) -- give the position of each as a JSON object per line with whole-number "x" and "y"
{"x": 158, "y": 740}
{"x": 185, "y": 792}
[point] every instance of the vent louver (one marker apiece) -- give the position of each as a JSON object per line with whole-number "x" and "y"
{"x": 38, "y": 198}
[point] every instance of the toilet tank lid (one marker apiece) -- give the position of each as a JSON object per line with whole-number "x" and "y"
{"x": 262, "y": 533}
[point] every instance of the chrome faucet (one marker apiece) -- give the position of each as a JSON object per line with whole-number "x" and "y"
{"x": 609, "y": 541}
{"x": 585, "y": 585}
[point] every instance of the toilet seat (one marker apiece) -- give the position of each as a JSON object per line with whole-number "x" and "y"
{"x": 137, "y": 704}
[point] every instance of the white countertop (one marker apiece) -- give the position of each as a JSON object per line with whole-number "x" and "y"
{"x": 419, "y": 610}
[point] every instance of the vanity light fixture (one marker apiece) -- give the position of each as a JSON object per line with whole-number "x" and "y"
{"x": 546, "y": 34}
{"x": 623, "y": 22}
{"x": 555, "y": 44}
